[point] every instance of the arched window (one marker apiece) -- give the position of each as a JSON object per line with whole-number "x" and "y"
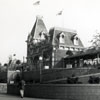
{"x": 62, "y": 38}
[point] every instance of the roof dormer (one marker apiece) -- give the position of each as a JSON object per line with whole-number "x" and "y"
{"x": 42, "y": 35}
{"x": 75, "y": 40}
{"x": 62, "y": 37}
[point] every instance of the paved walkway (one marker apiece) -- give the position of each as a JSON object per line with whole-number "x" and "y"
{"x": 10, "y": 97}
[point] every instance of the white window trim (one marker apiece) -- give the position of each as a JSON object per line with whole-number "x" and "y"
{"x": 62, "y": 38}
{"x": 76, "y": 40}
{"x": 42, "y": 36}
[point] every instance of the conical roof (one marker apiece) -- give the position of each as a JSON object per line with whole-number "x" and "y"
{"x": 38, "y": 27}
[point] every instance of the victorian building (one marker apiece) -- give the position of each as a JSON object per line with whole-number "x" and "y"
{"x": 49, "y": 48}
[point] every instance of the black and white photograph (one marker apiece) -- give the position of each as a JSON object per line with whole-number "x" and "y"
{"x": 49, "y": 49}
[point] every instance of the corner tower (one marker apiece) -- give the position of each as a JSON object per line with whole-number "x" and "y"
{"x": 37, "y": 43}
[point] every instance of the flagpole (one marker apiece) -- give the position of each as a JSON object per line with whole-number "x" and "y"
{"x": 37, "y": 4}
{"x": 62, "y": 20}
{"x": 60, "y": 14}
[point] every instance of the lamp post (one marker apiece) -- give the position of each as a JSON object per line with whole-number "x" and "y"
{"x": 55, "y": 55}
{"x": 40, "y": 59}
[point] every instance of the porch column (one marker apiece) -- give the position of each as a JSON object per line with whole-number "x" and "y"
{"x": 98, "y": 59}
{"x": 81, "y": 63}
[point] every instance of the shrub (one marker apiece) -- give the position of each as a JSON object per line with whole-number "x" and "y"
{"x": 72, "y": 80}
{"x": 94, "y": 80}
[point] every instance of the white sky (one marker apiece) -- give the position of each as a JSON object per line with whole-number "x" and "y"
{"x": 17, "y": 19}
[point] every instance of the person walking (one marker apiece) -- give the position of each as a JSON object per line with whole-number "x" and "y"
{"x": 21, "y": 88}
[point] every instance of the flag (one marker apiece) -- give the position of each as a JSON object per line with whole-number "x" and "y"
{"x": 36, "y": 3}
{"x": 59, "y": 13}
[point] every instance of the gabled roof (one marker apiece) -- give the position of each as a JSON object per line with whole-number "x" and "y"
{"x": 38, "y": 27}
{"x": 55, "y": 31}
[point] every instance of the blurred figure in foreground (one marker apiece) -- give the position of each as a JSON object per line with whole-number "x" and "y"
{"x": 21, "y": 86}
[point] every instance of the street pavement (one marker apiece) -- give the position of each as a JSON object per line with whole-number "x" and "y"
{"x": 11, "y": 97}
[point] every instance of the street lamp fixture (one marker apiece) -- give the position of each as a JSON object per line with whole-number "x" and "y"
{"x": 40, "y": 59}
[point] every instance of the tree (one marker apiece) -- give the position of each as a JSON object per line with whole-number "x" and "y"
{"x": 18, "y": 62}
{"x": 0, "y": 67}
{"x": 5, "y": 64}
{"x": 0, "y": 64}
{"x": 96, "y": 40}
{"x": 3, "y": 68}
{"x": 94, "y": 80}
{"x": 69, "y": 53}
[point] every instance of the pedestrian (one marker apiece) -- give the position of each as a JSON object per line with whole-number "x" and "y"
{"x": 21, "y": 88}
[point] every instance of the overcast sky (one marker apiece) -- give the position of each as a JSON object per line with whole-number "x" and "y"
{"x": 17, "y": 19}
